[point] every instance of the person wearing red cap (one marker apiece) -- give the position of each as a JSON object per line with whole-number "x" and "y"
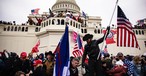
{"x": 39, "y": 69}
{"x": 24, "y": 64}
{"x": 23, "y": 55}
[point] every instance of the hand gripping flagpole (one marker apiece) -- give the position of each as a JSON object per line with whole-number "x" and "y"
{"x": 109, "y": 26}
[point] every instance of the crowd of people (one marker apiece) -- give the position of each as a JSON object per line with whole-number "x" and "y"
{"x": 12, "y": 64}
{"x": 10, "y": 23}
{"x": 7, "y": 23}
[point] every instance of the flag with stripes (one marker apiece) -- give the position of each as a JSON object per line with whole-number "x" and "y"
{"x": 125, "y": 34}
{"x": 78, "y": 48}
{"x": 35, "y": 11}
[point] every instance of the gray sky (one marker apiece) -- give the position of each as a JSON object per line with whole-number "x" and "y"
{"x": 18, "y": 10}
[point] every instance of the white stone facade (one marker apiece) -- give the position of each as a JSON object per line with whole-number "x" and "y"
{"x": 18, "y": 38}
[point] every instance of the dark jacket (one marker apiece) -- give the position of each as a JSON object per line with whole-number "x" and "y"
{"x": 92, "y": 49}
{"x": 24, "y": 66}
{"x": 73, "y": 71}
{"x": 40, "y": 71}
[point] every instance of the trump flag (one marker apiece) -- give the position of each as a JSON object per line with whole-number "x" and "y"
{"x": 110, "y": 37}
{"x": 61, "y": 67}
{"x": 78, "y": 48}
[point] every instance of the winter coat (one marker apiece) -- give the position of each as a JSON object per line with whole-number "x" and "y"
{"x": 117, "y": 70}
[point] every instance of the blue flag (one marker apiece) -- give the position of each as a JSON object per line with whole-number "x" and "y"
{"x": 83, "y": 13}
{"x": 61, "y": 67}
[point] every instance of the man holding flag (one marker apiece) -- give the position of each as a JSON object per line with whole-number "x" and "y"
{"x": 92, "y": 50}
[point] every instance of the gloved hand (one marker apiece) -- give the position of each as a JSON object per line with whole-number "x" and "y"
{"x": 108, "y": 29}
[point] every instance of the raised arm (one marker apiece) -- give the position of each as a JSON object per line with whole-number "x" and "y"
{"x": 104, "y": 36}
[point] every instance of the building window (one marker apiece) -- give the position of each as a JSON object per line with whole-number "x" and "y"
{"x": 95, "y": 31}
{"x": 26, "y": 29}
{"x": 139, "y": 32}
{"x": 85, "y": 30}
{"x": 79, "y": 26}
{"x": 82, "y": 30}
{"x": 53, "y": 21}
{"x": 12, "y": 28}
{"x": 136, "y": 32}
{"x": 44, "y": 24}
{"x": 49, "y": 22}
{"x": 36, "y": 29}
{"x": 4, "y": 28}
{"x": 76, "y": 25}
{"x": 71, "y": 22}
{"x": 98, "y": 31}
{"x": 58, "y": 22}
{"x": 8, "y": 29}
{"x": 142, "y": 32}
{"x": 62, "y": 22}
{"x": 15, "y": 29}
{"x": 22, "y": 29}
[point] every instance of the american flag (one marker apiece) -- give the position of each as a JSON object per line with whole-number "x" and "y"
{"x": 78, "y": 48}
{"x": 35, "y": 11}
{"x": 125, "y": 34}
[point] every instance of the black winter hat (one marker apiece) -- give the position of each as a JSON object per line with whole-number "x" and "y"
{"x": 87, "y": 36}
{"x": 49, "y": 53}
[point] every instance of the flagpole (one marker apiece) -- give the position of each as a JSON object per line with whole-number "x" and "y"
{"x": 108, "y": 25}
{"x": 113, "y": 12}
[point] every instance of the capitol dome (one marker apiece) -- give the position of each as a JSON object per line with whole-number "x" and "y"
{"x": 66, "y": 5}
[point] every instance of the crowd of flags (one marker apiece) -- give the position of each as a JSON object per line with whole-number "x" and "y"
{"x": 125, "y": 38}
{"x": 51, "y": 14}
{"x": 125, "y": 34}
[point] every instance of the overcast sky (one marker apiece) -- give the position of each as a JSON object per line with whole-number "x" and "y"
{"x": 18, "y": 10}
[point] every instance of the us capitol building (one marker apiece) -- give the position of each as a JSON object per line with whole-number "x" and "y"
{"x": 18, "y": 38}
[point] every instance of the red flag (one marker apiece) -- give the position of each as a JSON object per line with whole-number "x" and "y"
{"x": 35, "y": 48}
{"x": 110, "y": 37}
{"x": 125, "y": 34}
